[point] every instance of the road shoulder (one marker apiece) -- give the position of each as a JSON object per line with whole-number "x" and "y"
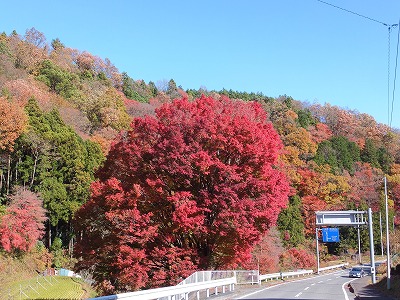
{"x": 364, "y": 289}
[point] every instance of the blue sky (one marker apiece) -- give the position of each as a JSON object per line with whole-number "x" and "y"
{"x": 302, "y": 48}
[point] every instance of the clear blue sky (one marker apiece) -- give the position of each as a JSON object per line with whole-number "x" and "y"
{"x": 302, "y": 48}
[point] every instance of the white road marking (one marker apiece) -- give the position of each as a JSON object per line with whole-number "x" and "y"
{"x": 344, "y": 291}
{"x": 298, "y": 294}
{"x": 283, "y": 283}
{"x": 329, "y": 279}
{"x": 306, "y": 288}
{"x": 320, "y": 281}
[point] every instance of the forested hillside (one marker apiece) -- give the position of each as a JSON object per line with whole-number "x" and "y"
{"x": 139, "y": 181}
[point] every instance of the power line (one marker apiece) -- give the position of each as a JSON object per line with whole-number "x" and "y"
{"x": 352, "y": 12}
{"x": 389, "y": 111}
{"x": 395, "y": 75}
{"x": 389, "y": 124}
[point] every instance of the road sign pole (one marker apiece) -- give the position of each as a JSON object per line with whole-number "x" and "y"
{"x": 359, "y": 244}
{"x": 316, "y": 240}
{"x": 371, "y": 245}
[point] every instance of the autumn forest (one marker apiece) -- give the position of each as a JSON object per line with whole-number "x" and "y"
{"x": 138, "y": 185}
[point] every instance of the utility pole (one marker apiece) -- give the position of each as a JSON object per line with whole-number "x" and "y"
{"x": 316, "y": 239}
{"x": 387, "y": 239}
{"x": 380, "y": 229}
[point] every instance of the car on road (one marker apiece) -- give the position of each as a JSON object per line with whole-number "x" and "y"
{"x": 356, "y": 272}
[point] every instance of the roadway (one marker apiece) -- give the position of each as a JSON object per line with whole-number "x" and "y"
{"x": 325, "y": 286}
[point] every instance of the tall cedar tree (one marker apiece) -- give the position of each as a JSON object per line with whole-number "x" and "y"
{"x": 194, "y": 187}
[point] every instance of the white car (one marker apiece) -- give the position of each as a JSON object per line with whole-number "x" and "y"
{"x": 356, "y": 272}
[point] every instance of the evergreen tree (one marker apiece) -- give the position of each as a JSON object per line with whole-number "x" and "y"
{"x": 370, "y": 154}
{"x": 153, "y": 89}
{"x": 339, "y": 153}
{"x": 305, "y": 118}
{"x": 56, "y": 163}
{"x": 290, "y": 223}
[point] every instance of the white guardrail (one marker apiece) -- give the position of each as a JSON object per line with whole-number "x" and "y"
{"x": 282, "y": 275}
{"x": 182, "y": 291}
{"x": 172, "y": 292}
{"x": 333, "y": 267}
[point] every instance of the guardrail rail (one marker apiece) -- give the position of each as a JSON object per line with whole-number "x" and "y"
{"x": 282, "y": 275}
{"x": 203, "y": 281}
{"x": 333, "y": 267}
{"x": 176, "y": 292}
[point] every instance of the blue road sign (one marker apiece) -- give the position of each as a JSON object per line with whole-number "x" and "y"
{"x": 330, "y": 235}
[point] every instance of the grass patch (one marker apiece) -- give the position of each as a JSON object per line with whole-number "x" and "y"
{"x": 47, "y": 287}
{"x": 20, "y": 278}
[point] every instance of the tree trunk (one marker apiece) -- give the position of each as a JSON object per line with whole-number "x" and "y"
{"x": 34, "y": 171}
{"x": 16, "y": 171}
{"x": 71, "y": 241}
{"x": 8, "y": 173}
{"x": 49, "y": 234}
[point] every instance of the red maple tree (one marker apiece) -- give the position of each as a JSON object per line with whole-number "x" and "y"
{"x": 297, "y": 258}
{"x": 23, "y": 223}
{"x": 194, "y": 187}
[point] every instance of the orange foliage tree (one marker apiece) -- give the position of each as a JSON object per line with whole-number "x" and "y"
{"x": 13, "y": 121}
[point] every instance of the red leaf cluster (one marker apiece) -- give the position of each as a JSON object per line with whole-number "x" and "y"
{"x": 297, "y": 258}
{"x": 267, "y": 252}
{"x": 23, "y": 224}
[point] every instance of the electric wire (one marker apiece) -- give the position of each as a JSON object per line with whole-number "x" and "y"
{"x": 395, "y": 75}
{"x": 389, "y": 109}
{"x": 388, "y": 78}
{"x": 352, "y": 12}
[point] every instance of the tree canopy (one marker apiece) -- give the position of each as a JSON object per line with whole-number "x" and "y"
{"x": 23, "y": 223}
{"x": 196, "y": 186}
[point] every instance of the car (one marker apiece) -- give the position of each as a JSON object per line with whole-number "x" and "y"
{"x": 356, "y": 272}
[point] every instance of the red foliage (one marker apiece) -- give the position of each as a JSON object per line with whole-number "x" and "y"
{"x": 295, "y": 258}
{"x": 138, "y": 109}
{"x": 267, "y": 252}
{"x": 311, "y": 204}
{"x": 114, "y": 229}
{"x": 320, "y": 132}
{"x": 23, "y": 224}
{"x": 366, "y": 186}
{"x": 200, "y": 185}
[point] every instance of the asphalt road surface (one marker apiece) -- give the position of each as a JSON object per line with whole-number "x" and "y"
{"x": 325, "y": 286}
